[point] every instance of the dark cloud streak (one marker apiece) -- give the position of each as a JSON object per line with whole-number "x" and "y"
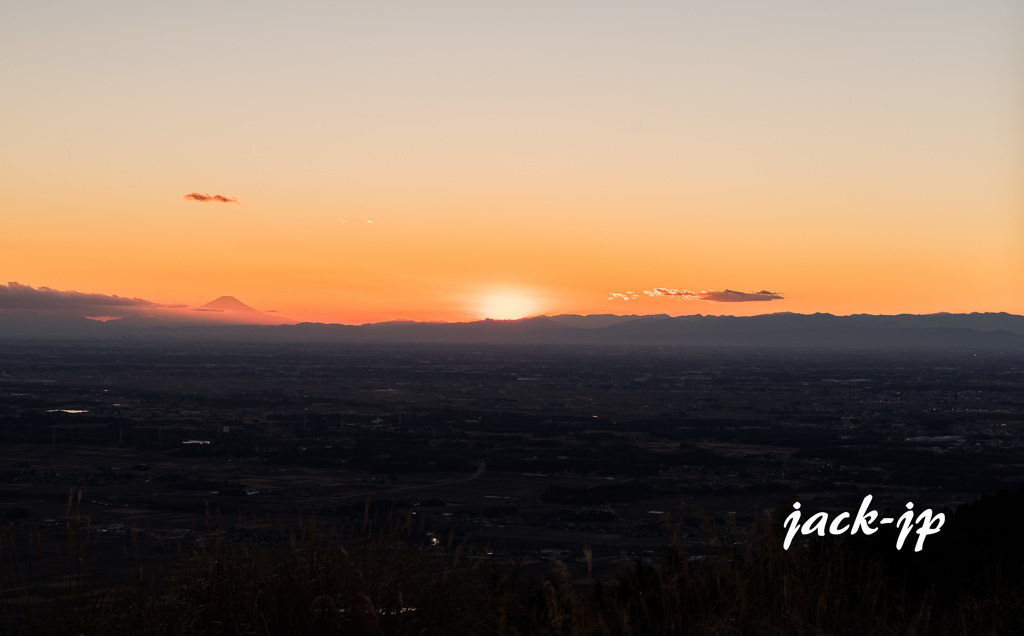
{"x": 730, "y": 296}
{"x": 206, "y": 198}
{"x": 18, "y": 296}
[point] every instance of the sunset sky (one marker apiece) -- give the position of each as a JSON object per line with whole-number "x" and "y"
{"x": 367, "y": 161}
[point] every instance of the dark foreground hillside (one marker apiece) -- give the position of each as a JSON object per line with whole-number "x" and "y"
{"x": 391, "y": 575}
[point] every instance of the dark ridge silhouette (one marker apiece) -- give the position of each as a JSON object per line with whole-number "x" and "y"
{"x": 596, "y": 321}
{"x": 229, "y": 319}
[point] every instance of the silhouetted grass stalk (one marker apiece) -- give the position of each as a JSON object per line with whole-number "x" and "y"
{"x": 390, "y": 577}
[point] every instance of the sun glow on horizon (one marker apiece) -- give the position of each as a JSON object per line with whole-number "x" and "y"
{"x": 508, "y": 305}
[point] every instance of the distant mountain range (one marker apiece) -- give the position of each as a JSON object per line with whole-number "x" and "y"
{"x": 986, "y": 331}
{"x": 227, "y": 318}
{"x": 235, "y": 311}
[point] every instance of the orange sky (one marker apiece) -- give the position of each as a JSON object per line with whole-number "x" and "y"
{"x": 518, "y": 160}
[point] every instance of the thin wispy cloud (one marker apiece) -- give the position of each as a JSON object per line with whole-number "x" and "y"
{"x": 706, "y": 295}
{"x": 684, "y": 294}
{"x": 206, "y": 198}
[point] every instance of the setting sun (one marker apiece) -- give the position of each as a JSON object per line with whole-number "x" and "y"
{"x": 507, "y": 306}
